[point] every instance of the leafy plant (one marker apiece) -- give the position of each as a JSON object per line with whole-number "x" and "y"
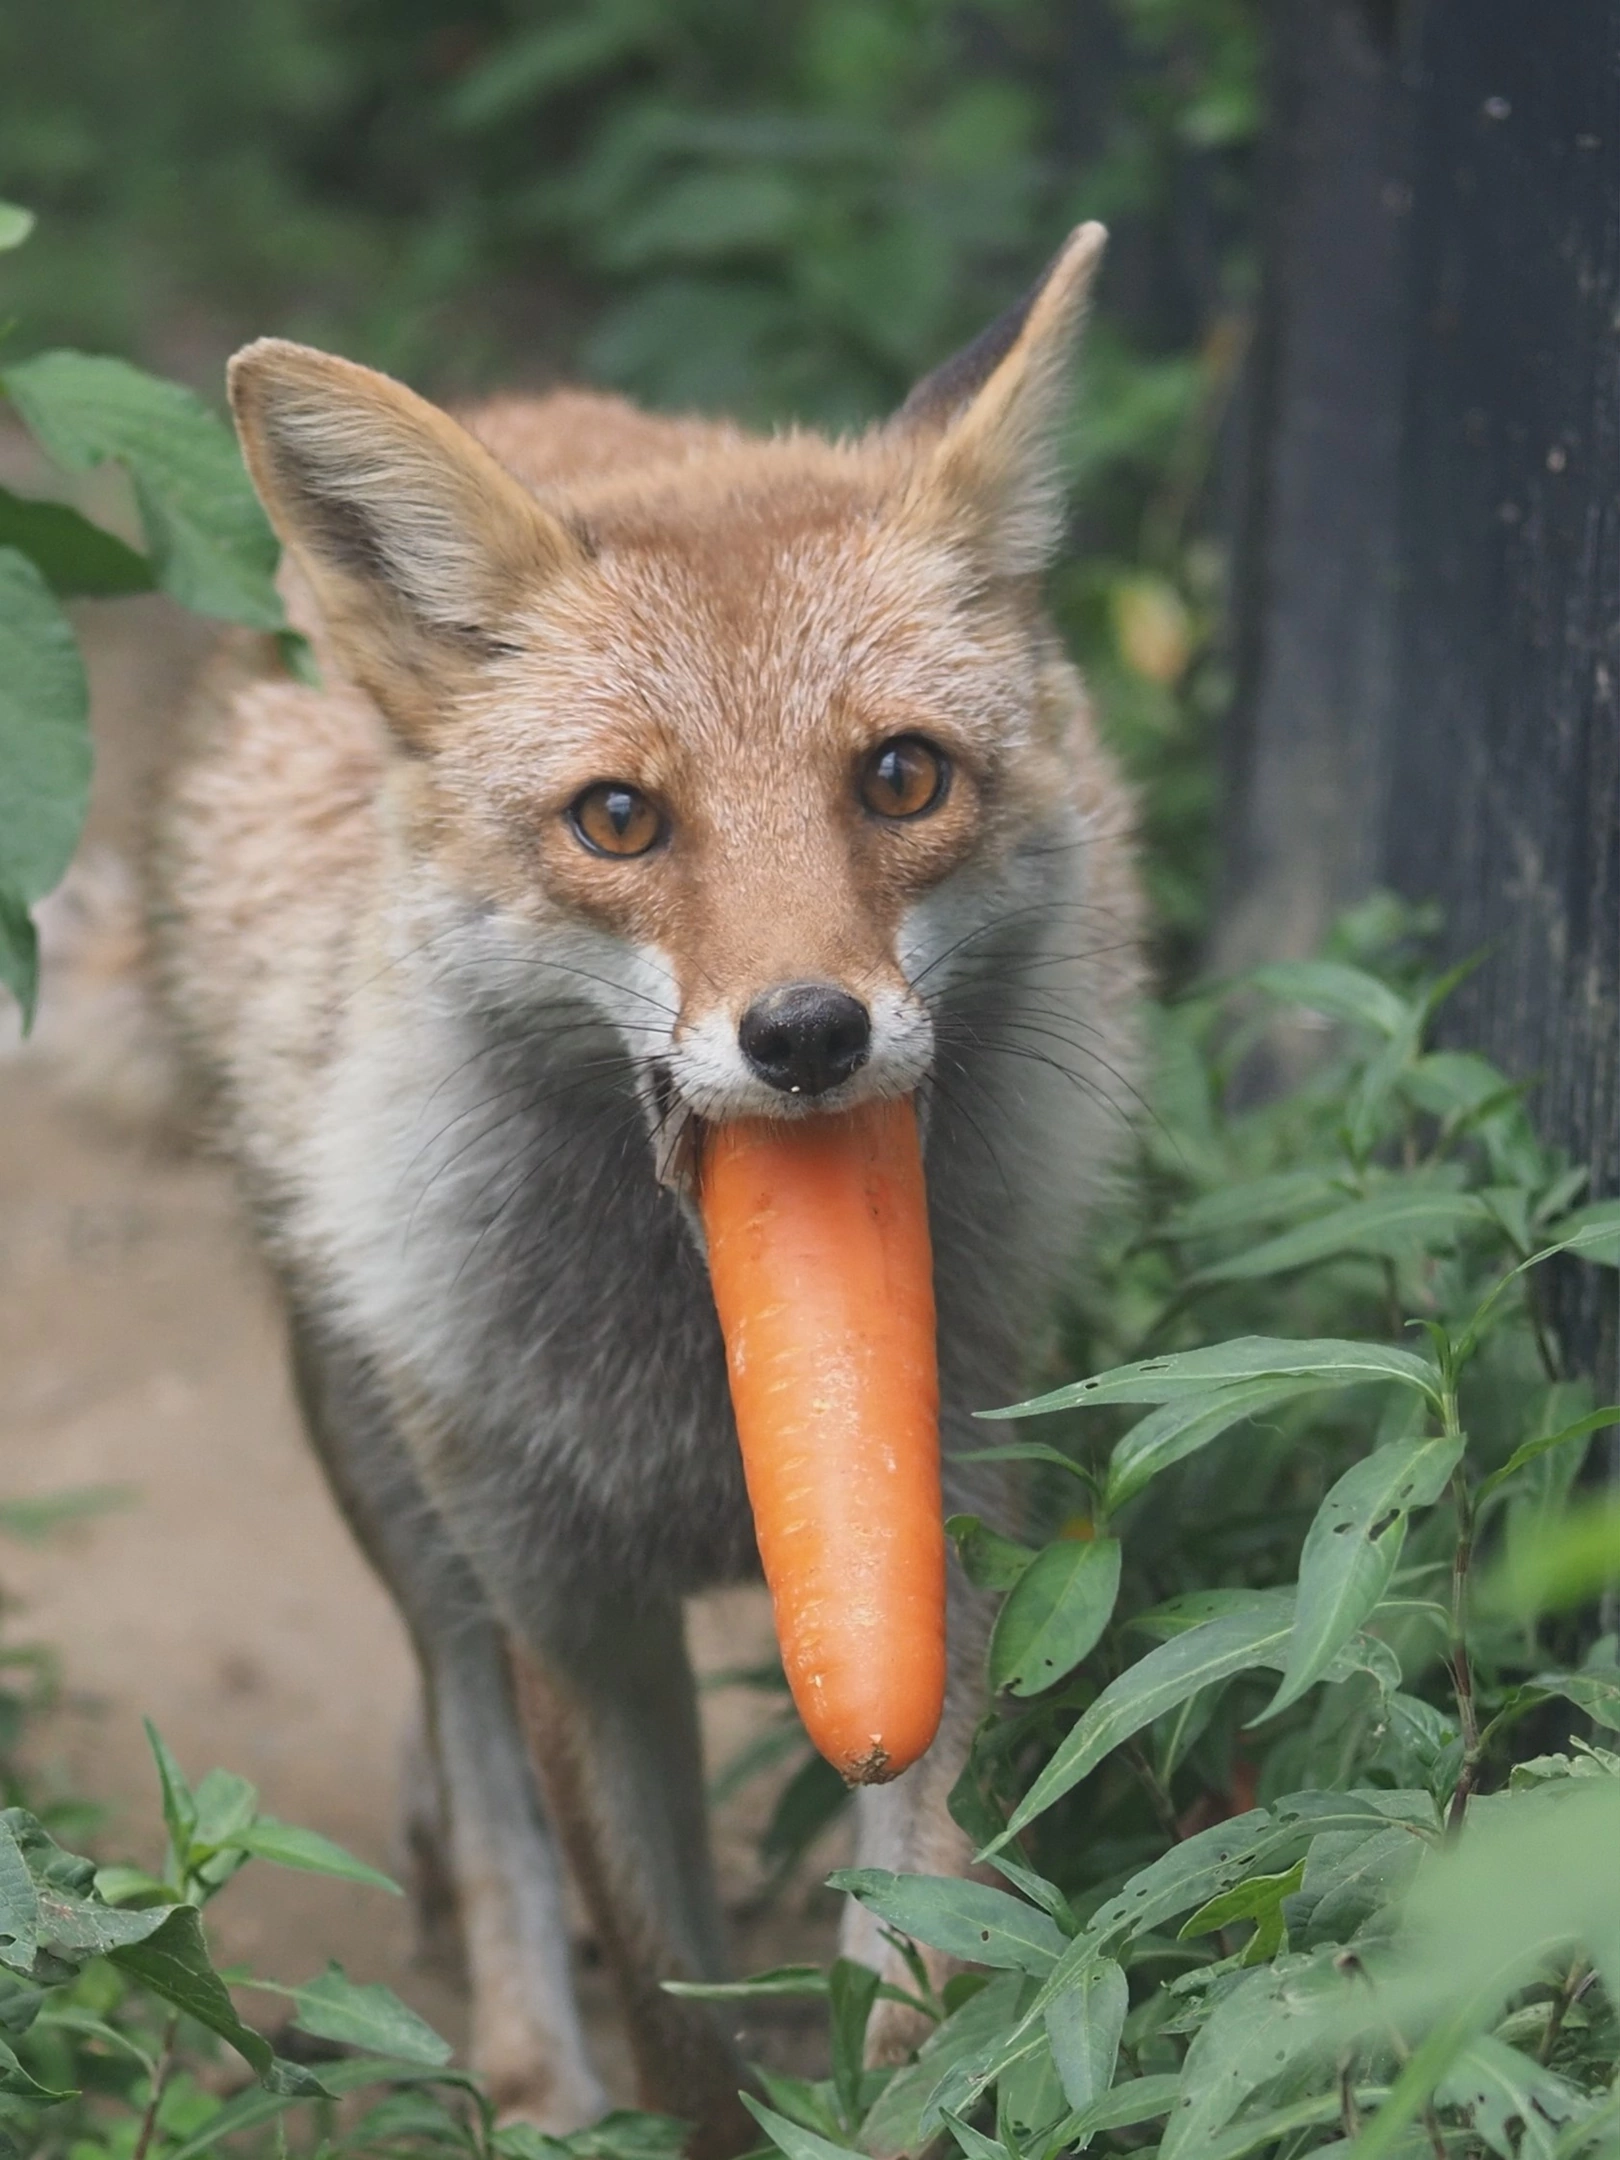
{"x": 207, "y": 544}
{"x": 1300, "y": 1841}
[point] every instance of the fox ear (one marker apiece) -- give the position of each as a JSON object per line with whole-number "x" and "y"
{"x": 417, "y": 544}
{"x": 990, "y": 417}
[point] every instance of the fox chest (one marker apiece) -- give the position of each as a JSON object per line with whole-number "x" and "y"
{"x": 510, "y": 1253}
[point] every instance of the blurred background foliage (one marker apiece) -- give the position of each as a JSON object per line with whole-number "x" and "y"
{"x": 786, "y": 211}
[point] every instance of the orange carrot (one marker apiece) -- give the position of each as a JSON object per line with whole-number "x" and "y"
{"x": 818, "y": 1249}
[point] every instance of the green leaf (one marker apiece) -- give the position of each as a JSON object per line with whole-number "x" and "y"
{"x": 1183, "y": 1374}
{"x": 44, "y": 733}
{"x": 894, "y": 2122}
{"x": 1349, "y": 1875}
{"x": 1596, "y": 1690}
{"x": 1054, "y": 1614}
{"x": 1165, "y": 1677}
{"x": 1251, "y": 1899}
{"x": 1138, "y": 2100}
{"x": 1337, "y": 992}
{"x": 1527, "y": 1453}
{"x": 288, "y": 1846}
{"x": 791, "y": 2137}
{"x": 76, "y": 559}
{"x": 1514, "y": 2104}
{"x": 1351, "y": 1549}
{"x": 989, "y": 1561}
{"x": 1083, "y": 2026}
{"x": 211, "y": 546}
{"x": 1024, "y": 1451}
{"x": 16, "y": 224}
{"x": 173, "y": 1962}
{"x": 1391, "y": 1223}
{"x": 973, "y": 2143}
{"x": 19, "y": 1905}
{"x": 1179, "y": 1429}
{"x": 1560, "y": 1564}
{"x": 372, "y": 2017}
{"x": 1269, "y": 2021}
{"x": 21, "y": 2083}
{"x": 179, "y": 1808}
{"x": 968, "y": 1920}
{"x": 225, "y": 1805}
{"x": 1593, "y": 1232}
{"x": 852, "y": 1989}
{"x": 19, "y": 953}
{"x": 251, "y": 2109}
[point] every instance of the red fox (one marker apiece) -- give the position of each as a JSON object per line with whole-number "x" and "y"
{"x": 659, "y": 773}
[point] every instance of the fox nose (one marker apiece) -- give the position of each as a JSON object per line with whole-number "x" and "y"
{"x": 805, "y": 1037}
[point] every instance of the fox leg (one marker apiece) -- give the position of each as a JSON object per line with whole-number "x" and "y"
{"x": 611, "y": 1718}
{"x": 527, "y": 2040}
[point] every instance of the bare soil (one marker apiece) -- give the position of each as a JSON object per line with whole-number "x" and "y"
{"x": 141, "y": 1353}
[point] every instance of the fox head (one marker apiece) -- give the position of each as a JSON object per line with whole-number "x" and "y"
{"x": 740, "y": 744}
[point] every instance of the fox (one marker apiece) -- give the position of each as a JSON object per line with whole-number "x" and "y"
{"x": 657, "y": 773}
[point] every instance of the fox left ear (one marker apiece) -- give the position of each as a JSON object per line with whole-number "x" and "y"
{"x": 991, "y": 414}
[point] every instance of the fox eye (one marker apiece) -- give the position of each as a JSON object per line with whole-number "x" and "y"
{"x": 612, "y": 818}
{"x": 905, "y": 777}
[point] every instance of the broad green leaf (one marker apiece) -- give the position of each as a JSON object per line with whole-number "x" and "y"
{"x": 372, "y": 2017}
{"x": 968, "y": 1920}
{"x": 1180, "y": 1429}
{"x": 173, "y": 1962}
{"x": 973, "y": 2143}
{"x": 1593, "y": 1232}
{"x": 1527, "y": 1453}
{"x": 1166, "y": 1676}
{"x": 44, "y": 733}
{"x": 1181, "y": 1374}
{"x": 19, "y": 1905}
{"x": 1596, "y": 1690}
{"x": 1270, "y": 2022}
{"x": 1349, "y": 1875}
{"x": 77, "y": 560}
{"x": 989, "y": 1561}
{"x": 211, "y": 546}
{"x": 21, "y": 2083}
{"x": 1389, "y": 1223}
{"x": 1054, "y": 1614}
{"x": 894, "y": 2122}
{"x": 1515, "y": 2104}
{"x": 16, "y": 224}
{"x": 1083, "y": 2025}
{"x": 288, "y": 1846}
{"x": 1351, "y": 1549}
{"x": 1337, "y": 992}
{"x": 791, "y": 2137}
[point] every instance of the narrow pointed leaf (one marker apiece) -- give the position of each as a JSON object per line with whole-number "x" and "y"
{"x": 44, "y": 733}
{"x": 334, "y": 2007}
{"x": 1083, "y": 2025}
{"x": 1390, "y": 1223}
{"x": 77, "y": 559}
{"x": 969, "y": 1920}
{"x": 289, "y": 1846}
{"x": 1183, "y": 1373}
{"x": 1337, "y": 992}
{"x": 1179, "y": 1429}
{"x": 1351, "y": 1549}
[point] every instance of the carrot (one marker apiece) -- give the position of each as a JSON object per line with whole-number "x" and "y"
{"x": 823, "y": 1278}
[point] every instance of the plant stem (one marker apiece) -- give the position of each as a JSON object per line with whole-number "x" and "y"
{"x": 1462, "y": 1671}
{"x": 160, "y": 2079}
{"x": 1574, "y": 1981}
{"x": 1151, "y": 1783}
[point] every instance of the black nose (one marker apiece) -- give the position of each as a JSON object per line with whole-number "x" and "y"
{"x": 805, "y": 1037}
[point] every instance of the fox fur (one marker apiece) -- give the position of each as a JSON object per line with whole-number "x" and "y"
{"x": 453, "y": 1054}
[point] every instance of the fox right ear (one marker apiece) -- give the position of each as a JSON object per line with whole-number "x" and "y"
{"x": 418, "y": 545}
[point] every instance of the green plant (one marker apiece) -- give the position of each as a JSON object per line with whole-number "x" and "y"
{"x": 207, "y": 544}
{"x": 1299, "y": 1840}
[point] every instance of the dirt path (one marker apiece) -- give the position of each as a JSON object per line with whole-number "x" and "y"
{"x": 140, "y": 1350}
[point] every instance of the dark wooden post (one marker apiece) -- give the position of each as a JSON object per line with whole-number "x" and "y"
{"x": 1430, "y": 613}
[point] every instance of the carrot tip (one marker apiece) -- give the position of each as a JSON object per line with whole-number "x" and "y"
{"x": 870, "y": 1769}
